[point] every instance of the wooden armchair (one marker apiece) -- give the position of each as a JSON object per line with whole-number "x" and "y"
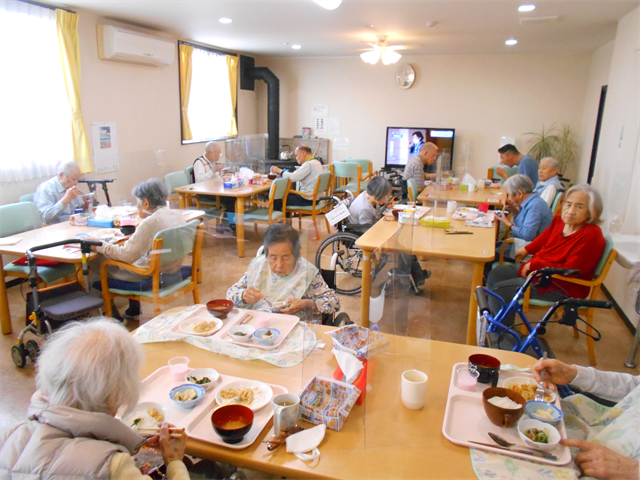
{"x": 323, "y": 184}
{"x": 279, "y": 191}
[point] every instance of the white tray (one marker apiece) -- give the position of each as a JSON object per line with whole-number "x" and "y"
{"x": 465, "y": 420}
{"x": 200, "y": 426}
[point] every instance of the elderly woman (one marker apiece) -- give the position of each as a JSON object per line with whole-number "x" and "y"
{"x": 86, "y": 373}
{"x": 282, "y": 275}
{"x": 573, "y": 241}
{"x": 152, "y": 208}
{"x": 367, "y": 208}
{"x": 548, "y": 180}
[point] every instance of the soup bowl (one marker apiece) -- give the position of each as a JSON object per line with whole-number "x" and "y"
{"x": 220, "y": 308}
{"x": 232, "y": 422}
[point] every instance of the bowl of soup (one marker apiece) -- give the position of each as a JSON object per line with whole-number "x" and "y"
{"x": 220, "y": 308}
{"x": 232, "y": 422}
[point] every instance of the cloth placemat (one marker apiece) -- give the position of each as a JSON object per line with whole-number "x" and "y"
{"x": 298, "y": 344}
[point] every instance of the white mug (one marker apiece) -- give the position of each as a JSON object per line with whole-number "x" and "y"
{"x": 414, "y": 389}
{"x": 286, "y": 409}
{"x": 452, "y": 205}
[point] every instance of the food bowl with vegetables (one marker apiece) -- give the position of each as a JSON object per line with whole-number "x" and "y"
{"x": 266, "y": 336}
{"x": 241, "y": 333}
{"x": 205, "y": 377}
{"x": 537, "y": 434}
{"x": 543, "y": 411}
{"x": 187, "y": 396}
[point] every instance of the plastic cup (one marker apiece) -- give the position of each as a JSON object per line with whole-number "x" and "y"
{"x": 178, "y": 366}
{"x": 483, "y": 207}
{"x": 452, "y": 205}
{"x": 467, "y": 379}
{"x": 413, "y": 392}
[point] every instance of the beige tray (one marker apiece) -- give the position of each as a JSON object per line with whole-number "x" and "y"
{"x": 465, "y": 420}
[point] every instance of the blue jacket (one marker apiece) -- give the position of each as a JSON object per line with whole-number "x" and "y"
{"x": 529, "y": 167}
{"x": 534, "y": 217}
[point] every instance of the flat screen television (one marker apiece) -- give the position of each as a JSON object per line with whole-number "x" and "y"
{"x": 405, "y": 142}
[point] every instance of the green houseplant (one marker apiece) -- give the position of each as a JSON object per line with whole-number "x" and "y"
{"x": 558, "y": 143}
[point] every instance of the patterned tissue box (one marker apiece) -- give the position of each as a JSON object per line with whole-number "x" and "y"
{"x": 359, "y": 341}
{"x": 327, "y": 401}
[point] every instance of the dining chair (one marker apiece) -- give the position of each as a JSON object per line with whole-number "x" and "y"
{"x": 492, "y": 175}
{"x": 322, "y": 188}
{"x": 556, "y": 205}
{"x": 348, "y": 177}
{"x": 26, "y": 198}
{"x": 17, "y": 218}
{"x": 367, "y": 170}
{"x": 190, "y": 174}
{"x": 278, "y": 191}
{"x": 412, "y": 190}
{"x": 169, "y": 245}
{"x": 174, "y": 180}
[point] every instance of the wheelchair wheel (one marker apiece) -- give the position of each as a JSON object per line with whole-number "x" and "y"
{"x": 349, "y": 262}
{"x": 19, "y": 355}
{"x": 33, "y": 349}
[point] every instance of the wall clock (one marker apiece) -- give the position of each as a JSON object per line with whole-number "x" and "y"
{"x": 406, "y": 76}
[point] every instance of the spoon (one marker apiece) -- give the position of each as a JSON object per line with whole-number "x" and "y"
{"x": 521, "y": 448}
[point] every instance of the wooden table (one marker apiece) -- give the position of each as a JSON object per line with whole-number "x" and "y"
{"x": 380, "y": 439}
{"x": 477, "y": 248}
{"x": 430, "y": 194}
{"x": 215, "y": 187}
{"x": 41, "y": 236}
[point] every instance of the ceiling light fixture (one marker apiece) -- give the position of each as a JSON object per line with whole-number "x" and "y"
{"x": 372, "y": 56}
{"x": 526, "y": 8}
{"x": 296, "y": 47}
{"x": 431, "y": 24}
{"x": 390, "y": 56}
{"x": 225, "y": 20}
{"x": 329, "y": 4}
{"x": 511, "y": 42}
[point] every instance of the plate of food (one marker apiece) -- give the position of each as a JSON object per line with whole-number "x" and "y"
{"x": 526, "y": 386}
{"x": 252, "y": 393}
{"x": 145, "y": 415}
{"x": 201, "y": 326}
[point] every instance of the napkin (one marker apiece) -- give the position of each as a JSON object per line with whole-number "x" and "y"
{"x": 103, "y": 213}
{"x": 306, "y": 441}
{"x": 350, "y": 366}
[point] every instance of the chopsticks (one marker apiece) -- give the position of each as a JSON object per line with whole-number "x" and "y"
{"x": 154, "y": 431}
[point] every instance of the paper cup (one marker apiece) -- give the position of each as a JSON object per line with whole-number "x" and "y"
{"x": 414, "y": 389}
{"x": 452, "y": 205}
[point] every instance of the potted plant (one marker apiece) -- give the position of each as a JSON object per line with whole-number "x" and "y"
{"x": 558, "y": 143}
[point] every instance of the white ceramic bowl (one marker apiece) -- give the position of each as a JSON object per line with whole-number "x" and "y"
{"x": 532, "y": 407}
{"x": 199, "y": 373}
{"x": 529, "y": 381}
{"x": 190, "y": 403}
{"x": 552, "y": 432}
{"x": 259, "y": 335}
{"x": 247, "y": 330}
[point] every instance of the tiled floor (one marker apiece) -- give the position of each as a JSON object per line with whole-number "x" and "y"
{"x": 439, "y": 313}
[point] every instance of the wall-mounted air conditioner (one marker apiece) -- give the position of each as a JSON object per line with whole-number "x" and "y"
{"x": 118, "y": 44}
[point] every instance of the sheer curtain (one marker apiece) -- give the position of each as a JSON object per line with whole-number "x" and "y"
{"x": 210, "y": 105}
{"x": 35, "y": 128}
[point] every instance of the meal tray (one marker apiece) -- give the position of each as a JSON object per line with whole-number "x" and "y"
{"x": 199, "y": 425}
{"x": 465, "y": 420}
{"x": 283, "y": 323}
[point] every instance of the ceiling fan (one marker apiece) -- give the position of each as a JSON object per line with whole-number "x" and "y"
{"x": 380, "y": 50}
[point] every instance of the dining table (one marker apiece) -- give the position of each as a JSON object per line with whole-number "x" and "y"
{"x": 478, "y": 247}
{"x": 380, "y": 439}
{"x": 491, "y": 195}
{"x": 50, "y": 234}
{"x": 215, "y": 187}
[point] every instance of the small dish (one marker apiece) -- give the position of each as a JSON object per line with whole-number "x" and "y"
{"x": 199, "y": 390}
{"x": 232, "y": 422}
{"x": 220, "y": 308}
{"x": 198, "y": 374}
{"x": 266, "y": 336}
{"x": 532, "y": 407}
{"x": 145, "y": 420}
{"x": 552, "y": 432}
{"x": 262, "y": 393}
{"x": 241, "y": 333}
{"x": 190, "y": 326}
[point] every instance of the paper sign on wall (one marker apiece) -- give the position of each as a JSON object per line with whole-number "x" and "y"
{"x": 340, "y": 144}
{"x": 319, "y": 110}
{"x": 321, "y": 126}
{"x": 333, "y": 125}
{"x": 105, "y": 147}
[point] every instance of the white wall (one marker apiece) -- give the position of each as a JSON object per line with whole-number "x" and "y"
{"x": 483, "y": 97}
{"x": 145, "y": 104}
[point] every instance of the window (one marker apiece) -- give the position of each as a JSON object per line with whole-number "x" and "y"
{"x": 35, "y": 127}
{"x": 208, "y": 94}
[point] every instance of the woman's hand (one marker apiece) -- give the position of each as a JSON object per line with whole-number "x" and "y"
{"x": 525, "y": 270}
{"x": 601, "y": 462}
{"x": 275, "y": 169}
{"x": 556, "y": 372}
{"x": 172, "y": 448}
{"x": 502, "y": 218}
{"x": 252, "y": 295}
{"x": 521, "y": 253}
{"x": 297, "y": 304}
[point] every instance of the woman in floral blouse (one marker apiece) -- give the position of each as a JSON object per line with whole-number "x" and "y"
{"x": 282, "y": 275}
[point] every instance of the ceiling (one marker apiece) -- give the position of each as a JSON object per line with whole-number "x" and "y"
{"x": 263, "y": 27}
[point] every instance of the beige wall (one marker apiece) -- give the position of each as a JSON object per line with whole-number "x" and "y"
{"x": 483, "y": 97}
{"x": 145, "y": 104}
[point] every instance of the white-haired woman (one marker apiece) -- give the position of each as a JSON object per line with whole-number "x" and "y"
{"x": 86, "y": 373}
{"x": 573, "y": 241}
{"x": 367, "y": 208}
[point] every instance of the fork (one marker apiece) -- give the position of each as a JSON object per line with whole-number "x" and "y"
{"x": 540, "y": 391}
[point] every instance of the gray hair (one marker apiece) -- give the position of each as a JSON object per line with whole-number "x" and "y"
{"x": 553, "y": 163}
{"x": 595, "y": 201}
{"x": 65, "y": 168}
{"x": 92, "y": 366}
{"x": 280, "y": 233}
{"x": 518, "y": 182}
{"x": 211, "y": 147}
{"x": 154, "y": 190}
{"x": 379, "y": 187}
{"x": 429, "y": 146}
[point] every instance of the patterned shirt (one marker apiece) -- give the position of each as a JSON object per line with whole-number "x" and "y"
{"x": 415, "y": 169}
{"x": 48, "y": 199}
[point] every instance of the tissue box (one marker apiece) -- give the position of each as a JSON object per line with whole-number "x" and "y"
{"x": 438, "y": 222}
{"x": 92, "y": 222}
{"x": 359, "y": 341}
{"x": 360, "y": 382}
{"x": 327, "y": 401}
{"x": 233, "y": 184}
{"x": 466, "y": 187}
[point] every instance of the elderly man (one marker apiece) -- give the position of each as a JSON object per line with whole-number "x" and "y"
{"x": 415, "y": 166}
{"x": 548, "y": 180}
{"x": 510, "y": 156}
{"x": 58, "y": 197}
{"x": 205, "y": 166}
{"x": 306, "y": 174}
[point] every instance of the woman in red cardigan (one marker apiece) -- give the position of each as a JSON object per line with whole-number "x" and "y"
{"x": 573, "y": 240}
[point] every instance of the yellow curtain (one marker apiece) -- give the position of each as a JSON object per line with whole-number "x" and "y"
{"x": 69, "y": 44}
{"x": 232, "y": 66}
{"x": 185, "y": 88}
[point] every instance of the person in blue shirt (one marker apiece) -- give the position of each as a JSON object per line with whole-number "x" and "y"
{"x": 510, "y": 156}
{"x": 548, "y": 180}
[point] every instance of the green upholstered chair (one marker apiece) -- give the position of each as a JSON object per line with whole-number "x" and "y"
{"x": 322, "y": 189}
{"x": 412, "y": 190}
{"x": 556, "y": 205}
{"x": 510, "y": 171}
{"x": 17, "y": 218}
{"x": 279, "y": 191}
{"x": 367, "y": 170}
{"x": 174, "y": 180}
{"x": 189, "y": 172}
{"x": 169, "y": 245}
{"x": 26, "y": 198}
{"x": 348, "y": 177}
